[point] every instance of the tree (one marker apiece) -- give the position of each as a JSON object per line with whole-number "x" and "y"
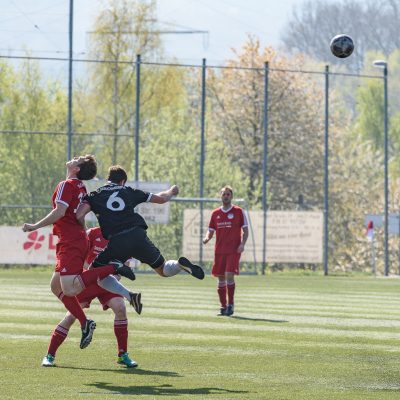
{"x": 373, "y": 24}
{"x": 31, "y": 162}
{"x": 295, "y": 157}
{"x": 122, "y": 30}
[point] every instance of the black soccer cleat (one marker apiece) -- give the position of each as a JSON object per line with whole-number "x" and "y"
{"x": 135, "y": 302}
{"x": 230, "y": 310}
{"x": 123, "y": 270}
{"x": 222, "y": 312}
{"x": 190, "y": 268}
{"x": 87, "y": 333}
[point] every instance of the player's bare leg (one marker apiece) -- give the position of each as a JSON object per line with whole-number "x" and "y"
{"x": 71, "y": 303}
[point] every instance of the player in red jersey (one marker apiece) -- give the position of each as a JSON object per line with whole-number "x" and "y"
{"x": 97, "y": 243}
{"x": 230, "y": 224}
{"x": 69, "y": 279}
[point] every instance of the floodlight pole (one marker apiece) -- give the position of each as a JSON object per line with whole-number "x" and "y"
{"x": 383, "y": 64}
{"x": 69, "y": 116}
{"x": 326, "y": 174}
{"x": 137, "y": 121}
{"x": 386, "y": 168}
{"x": 202, "y": 153}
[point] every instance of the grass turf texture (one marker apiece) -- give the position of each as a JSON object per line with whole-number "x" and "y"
{"x": 292, "y": 337}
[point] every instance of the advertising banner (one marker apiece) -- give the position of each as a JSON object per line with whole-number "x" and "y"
{"x": 292, "y": 236}
{"x": 18, "y": 247}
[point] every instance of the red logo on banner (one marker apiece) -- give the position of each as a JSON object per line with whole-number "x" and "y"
{"x": 33, "y": 241}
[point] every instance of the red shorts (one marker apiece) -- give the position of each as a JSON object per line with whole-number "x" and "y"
{"x": 226, "y": 263}
{"x": 71, "y": 256}
{"x": 93, "y": 291}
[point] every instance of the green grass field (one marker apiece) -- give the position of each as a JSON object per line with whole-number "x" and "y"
{"x": 292, "y": 337}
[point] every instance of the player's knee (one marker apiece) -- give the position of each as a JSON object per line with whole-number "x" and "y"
{"x": 119, "y": 310}
{"x": 56, "y": 290}
{"x": 55, "y": 286}
{"x": 160, "y": 270}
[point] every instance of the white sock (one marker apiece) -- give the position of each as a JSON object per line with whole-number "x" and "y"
{"x": 112, "y": 284}
{"x": 171, "y": 268}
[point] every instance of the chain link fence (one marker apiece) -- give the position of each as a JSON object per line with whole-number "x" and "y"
{"x": 285, "y": 139}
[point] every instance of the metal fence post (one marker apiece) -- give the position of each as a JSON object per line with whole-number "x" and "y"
{"x": 71, "y": 43}
{"x": 265, "y": 169}
{"x": 326, "y": 174}
{"x": 137, "y": 122}
{"x": 202, "y": 152}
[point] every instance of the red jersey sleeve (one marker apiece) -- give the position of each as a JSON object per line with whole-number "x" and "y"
{"x": 64, "y": 193}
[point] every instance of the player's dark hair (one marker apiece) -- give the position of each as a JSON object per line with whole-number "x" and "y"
{"x": 228, "y": 188}
{"x": 88, "y": 168}
{"x": 116, "y": 174}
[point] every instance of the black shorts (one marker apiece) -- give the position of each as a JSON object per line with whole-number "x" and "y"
{"x": 133, "y": 243}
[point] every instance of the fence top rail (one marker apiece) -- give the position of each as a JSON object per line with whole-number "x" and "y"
{"x": 176, "y": 199}
{"x": 133, "y": 62}
{"x": 59, "y": 133}
{"x": 202, "y": 200}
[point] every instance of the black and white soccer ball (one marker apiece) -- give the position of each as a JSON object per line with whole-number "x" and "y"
{"x": 342, "y": 46}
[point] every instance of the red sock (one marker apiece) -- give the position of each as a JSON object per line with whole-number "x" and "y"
{"x": 71, "y": 303}
{"x": 58, "y": 337}
{"x": 231, "y": 292}
{"x": 222, "y": 293}
{"x": 92, "y": 275}
{"x": 121, "y": 333}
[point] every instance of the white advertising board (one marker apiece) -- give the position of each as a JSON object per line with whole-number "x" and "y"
{"x": 152, "y": 213}
{"x": 292, "y": 236}
{"x": 18, "y": 247}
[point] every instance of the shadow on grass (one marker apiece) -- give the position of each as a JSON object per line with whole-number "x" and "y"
{"x": 259, "y": 319}
{"x": 123, "y": 370}
{"x": 160, "y": 390}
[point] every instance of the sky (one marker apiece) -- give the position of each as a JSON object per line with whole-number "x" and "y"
{"x": 41, "y": 26}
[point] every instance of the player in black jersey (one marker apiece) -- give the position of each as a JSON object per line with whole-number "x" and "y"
{"x": 114, "y": 206}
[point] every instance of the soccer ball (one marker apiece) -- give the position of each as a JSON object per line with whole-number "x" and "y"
{"x": 342, "y": 46}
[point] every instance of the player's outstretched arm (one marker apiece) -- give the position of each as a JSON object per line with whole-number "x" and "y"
{"x": 164, "y": 197}
{"x": 52, "y": 217}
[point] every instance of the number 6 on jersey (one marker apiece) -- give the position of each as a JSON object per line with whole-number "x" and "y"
{"x": 115, "y": 203}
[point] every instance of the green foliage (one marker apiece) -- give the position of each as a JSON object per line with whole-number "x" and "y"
{"x": 295, "y": 130}
{"x": 31, "y": 162}
{"x": 371, "y": 112}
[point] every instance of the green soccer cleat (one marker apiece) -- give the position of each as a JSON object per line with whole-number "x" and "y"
{"x": 48, "y": 361}
{"x": 124, "y": 359}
